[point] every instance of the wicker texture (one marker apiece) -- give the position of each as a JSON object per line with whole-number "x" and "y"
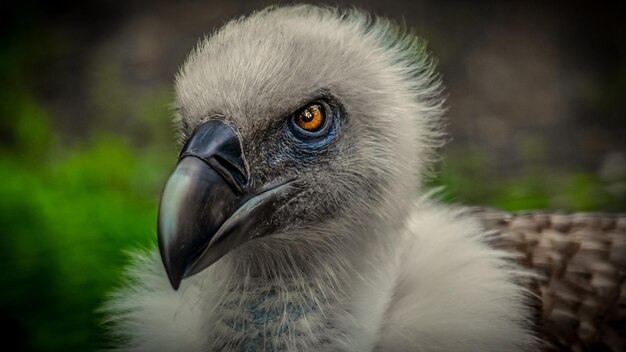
{"x": 581, "y": 262}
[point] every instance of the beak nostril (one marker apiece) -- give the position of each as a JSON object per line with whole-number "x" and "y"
{"x": 217, "y": 144}
{"x": 231, "y": 172}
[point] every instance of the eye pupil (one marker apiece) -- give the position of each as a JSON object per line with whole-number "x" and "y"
{"x": 307, "y": 116}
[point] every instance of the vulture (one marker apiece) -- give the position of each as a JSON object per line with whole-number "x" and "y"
{"x": 295, "y": 219}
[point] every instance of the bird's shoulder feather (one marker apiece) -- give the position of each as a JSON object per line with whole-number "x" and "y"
{"x": 580, "y": 260}
{"x": 454, "y": 291}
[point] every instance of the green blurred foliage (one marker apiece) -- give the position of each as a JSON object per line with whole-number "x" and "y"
{"x": 69, "y": 211}
{"x": 67, "y": 214}
{"x": 467, "y": 177}
{"x": 65, "y": 223}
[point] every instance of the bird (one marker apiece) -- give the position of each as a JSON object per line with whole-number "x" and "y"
{"x": 296, "y": 218}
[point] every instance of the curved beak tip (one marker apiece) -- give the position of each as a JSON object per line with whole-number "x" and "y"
{"x": 175, "y": 279}
{"x": 174, "y": 273}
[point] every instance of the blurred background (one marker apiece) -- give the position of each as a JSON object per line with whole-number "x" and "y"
{"x": 536, "y": 99}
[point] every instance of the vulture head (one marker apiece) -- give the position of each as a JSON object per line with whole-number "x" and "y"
{"x": 303, "y": 132}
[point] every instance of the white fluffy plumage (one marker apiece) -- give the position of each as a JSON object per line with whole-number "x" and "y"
{"x": 392, "y": 271}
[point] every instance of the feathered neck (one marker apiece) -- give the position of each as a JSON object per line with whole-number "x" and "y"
{"x": 290, "y": 298}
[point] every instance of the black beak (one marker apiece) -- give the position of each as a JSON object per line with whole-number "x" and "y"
{"x": 207, "y": 208}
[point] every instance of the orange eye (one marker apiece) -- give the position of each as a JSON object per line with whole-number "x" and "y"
{"x": 312, "y": 118}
